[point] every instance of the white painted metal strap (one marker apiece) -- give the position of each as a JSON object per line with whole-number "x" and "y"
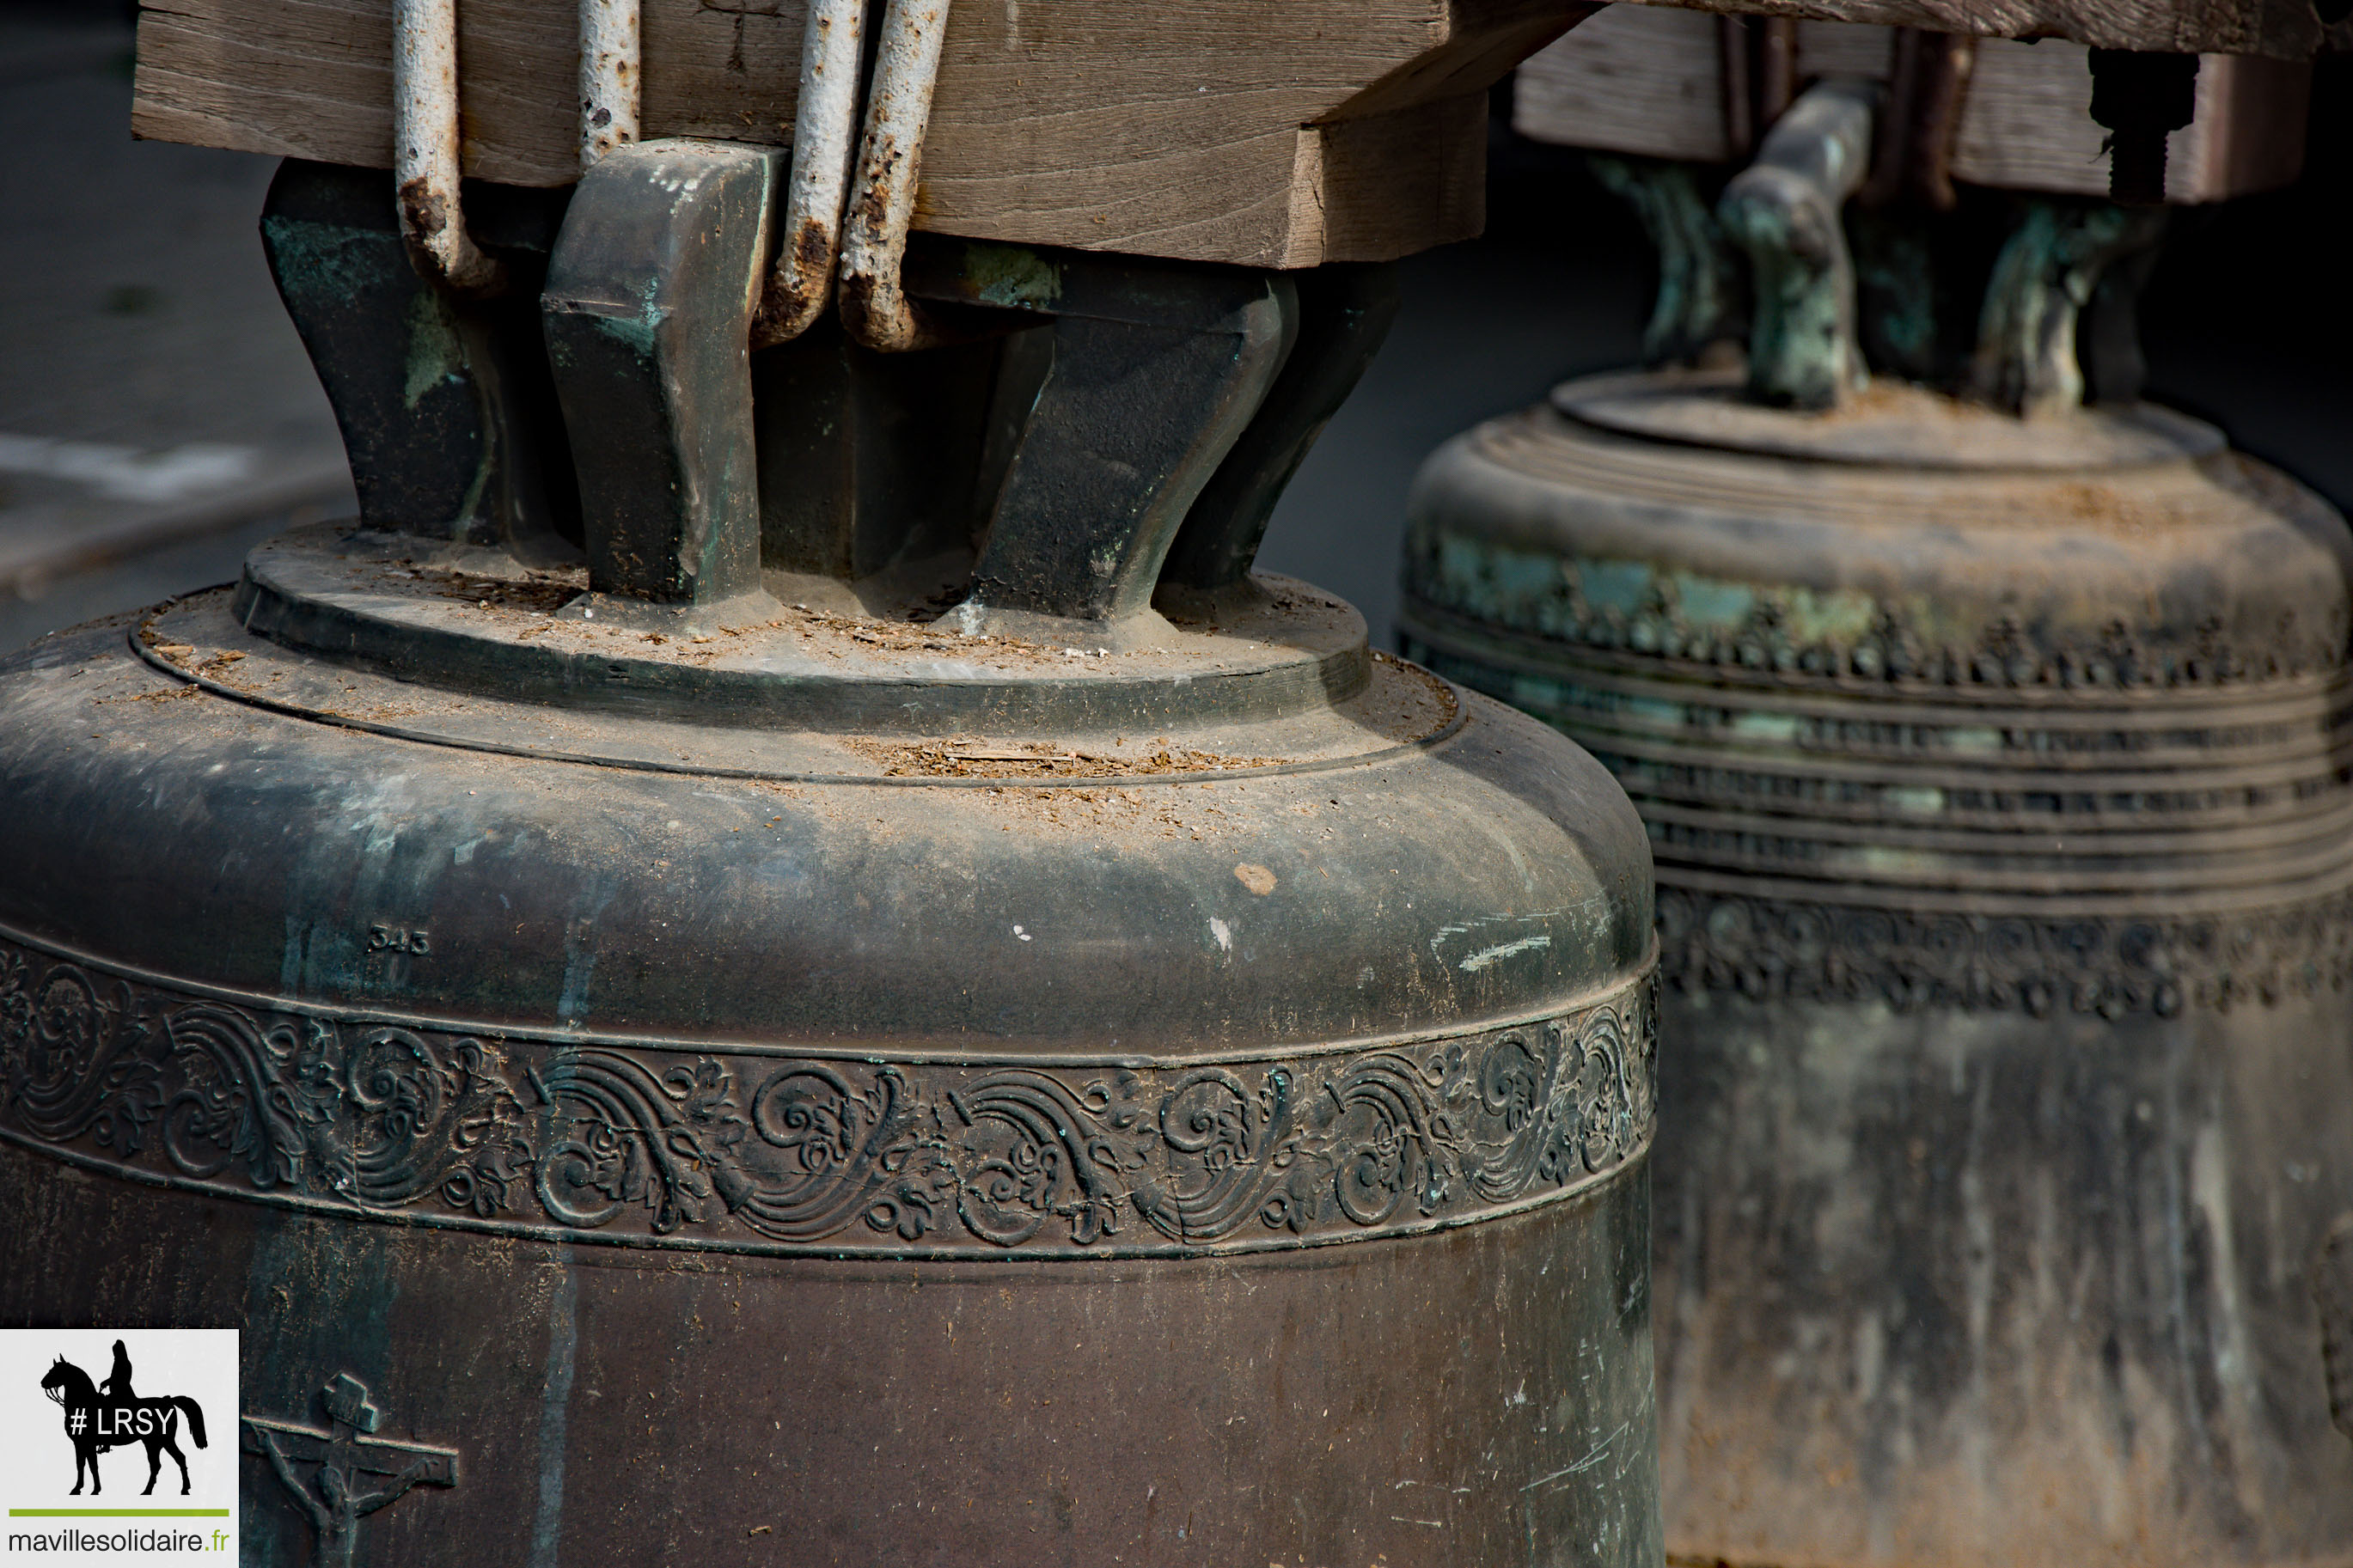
{"x": 882, "y": 203}
{"x": 609, "y": 77}
{"x": 425, "y": 147}
{"x": 824, "y": 129}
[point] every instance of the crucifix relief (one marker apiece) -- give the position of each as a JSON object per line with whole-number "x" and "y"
{"x": 350, "y": 1474}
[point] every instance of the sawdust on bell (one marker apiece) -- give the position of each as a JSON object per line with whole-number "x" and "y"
{"x": 544, "y": 590}
{"x": 916, "y": 636}
{"x": 1037, "y": 760}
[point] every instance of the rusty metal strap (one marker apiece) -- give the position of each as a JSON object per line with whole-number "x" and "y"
{"x": 874, "y": 308}
{"x": 425, "y": 131}
{"x": 825, "y": 123}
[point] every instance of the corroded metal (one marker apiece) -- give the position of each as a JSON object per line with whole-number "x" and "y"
{"x": 1996, "y": 777}
{"x": 540, "y": 1056}
{"x": 425, "y": 149}
{"x": 1785, "y": 211}
{"x": 2141, "y": 99}
{"x": 444, "y": 400}
{"x": 1701, "y": 300}
{"x": 1343, "y": 313}
{"x": 878, "y": 311}
{"x": 1156, "y": 372}
{"x": 611, "y": 76}
{"x": 2050, "y": 268}
{"x": 825, "y": 127}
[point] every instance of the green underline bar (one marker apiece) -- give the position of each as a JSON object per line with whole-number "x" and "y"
{"x": 117, "y": 1513}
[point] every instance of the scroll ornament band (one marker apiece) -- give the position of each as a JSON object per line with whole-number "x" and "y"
{"x": 1770, "y": 949}
{"x": 1654, "y": 612}
{"x": 589, "y": 1141}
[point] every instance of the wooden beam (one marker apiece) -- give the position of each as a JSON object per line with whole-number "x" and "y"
{"x": 1637, "y": 79}
{"x": 2280, "y": 30}
{"x": 1648, "y": 79}
{"x": 1269, "y": 134}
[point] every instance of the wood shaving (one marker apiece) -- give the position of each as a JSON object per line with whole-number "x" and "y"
{"x": 985, "y": 759}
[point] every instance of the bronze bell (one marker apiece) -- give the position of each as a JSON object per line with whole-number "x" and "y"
{"x": 1995, "y": 769}
{"x": 785, "y": 957}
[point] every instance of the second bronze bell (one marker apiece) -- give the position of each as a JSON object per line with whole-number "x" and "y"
{"x": 1995, "y": 769}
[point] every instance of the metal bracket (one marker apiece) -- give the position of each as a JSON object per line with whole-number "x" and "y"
{"x": 2141, "y": 99}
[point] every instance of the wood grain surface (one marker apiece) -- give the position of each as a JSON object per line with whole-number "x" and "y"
{"x": 1639, "y": 79}
{"x": 1284, "y": 134}
{"x": 1648, "y": 80}
{"x": 2282, "y": 29}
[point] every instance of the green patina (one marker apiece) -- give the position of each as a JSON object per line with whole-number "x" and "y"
{"x": 1518, "y": 577}
{"x": 2046, "y": 274}
{"x": 1011, "y": 276}
{"x": 1918, "y": 801}
{"x": 1700, "y": 291}
{"x": 1710, "y": 604}
{"x": 1535, "y": 592}
{"x": 436, "y": 356}
{"x": 1625, "y": 587}
{"x": 332, "y": 259}
{"x": 1802, "y": 352}
{"x": 1658, "y": 711}
{"x": 436, "y": 359}
{"x": 1897, "y": 277}
{"x": 638, "y": 332}
{"x": 1780, "y": 728}
{"x": 1535, "y": 692}
{"x": 1809, "y": 616}
{"x": 1890, "y": 862}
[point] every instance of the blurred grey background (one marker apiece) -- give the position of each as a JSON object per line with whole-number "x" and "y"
{"x": 157, "y": 414}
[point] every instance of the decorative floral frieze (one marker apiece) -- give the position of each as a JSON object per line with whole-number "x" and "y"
{"x": 1770, "y": 949}
{"x": 767, "y": 1154}
{"x": 1843, "y": 636}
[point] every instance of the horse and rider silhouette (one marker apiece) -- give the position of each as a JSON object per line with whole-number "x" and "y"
{"x": 99, "y": 1417}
